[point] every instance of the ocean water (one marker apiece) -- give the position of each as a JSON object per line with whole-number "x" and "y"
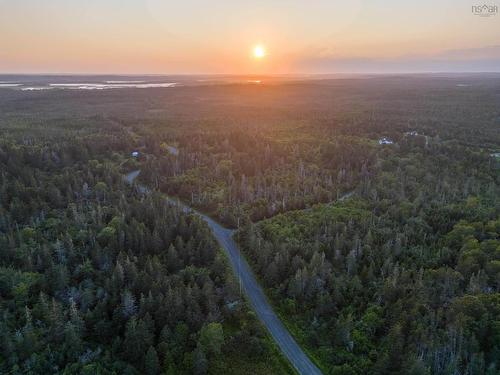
{"x": 115, "y": 82}
{"x": 40, "y": 83}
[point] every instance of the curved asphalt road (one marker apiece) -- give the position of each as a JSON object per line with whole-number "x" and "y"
{"x": 252, "y": 289}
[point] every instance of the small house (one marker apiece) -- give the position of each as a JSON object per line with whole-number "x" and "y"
{"x": 385, "y": 141}
{"x": 412, "y": 133}
{"x": 173, "y": 150}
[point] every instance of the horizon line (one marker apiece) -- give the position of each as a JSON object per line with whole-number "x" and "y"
{"x": 247, "y": 74}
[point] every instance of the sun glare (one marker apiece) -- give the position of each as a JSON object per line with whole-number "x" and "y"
{"x": 259, "y": 52}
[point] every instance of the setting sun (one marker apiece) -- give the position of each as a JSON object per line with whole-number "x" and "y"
{"x": 259, "y": 52}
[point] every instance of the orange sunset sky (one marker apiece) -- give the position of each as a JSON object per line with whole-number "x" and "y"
{"x": 195, "y": 36}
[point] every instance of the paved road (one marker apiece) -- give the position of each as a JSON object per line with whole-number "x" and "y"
{"x": 253, "y": 291}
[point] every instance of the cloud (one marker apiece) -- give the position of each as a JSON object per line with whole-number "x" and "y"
{"x": 489, "y": 52}
{"x": 485, "y": 59}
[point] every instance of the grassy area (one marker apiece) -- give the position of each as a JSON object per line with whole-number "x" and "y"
{"x": 270, "y": 362}
{"x": 299, "y": 334}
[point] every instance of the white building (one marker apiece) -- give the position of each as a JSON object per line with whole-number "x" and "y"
{"x": 412, "y": 133}
{"x": 385, "y": 141}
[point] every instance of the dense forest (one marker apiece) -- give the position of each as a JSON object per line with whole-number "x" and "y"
{"x": 367, "y": 207}
{"x": 97, "y": 278}
{"x": 246, "y": 173}
{"x": 404, "y": 277}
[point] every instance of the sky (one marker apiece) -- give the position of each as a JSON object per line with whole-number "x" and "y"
{"x": 200, "y": 36}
